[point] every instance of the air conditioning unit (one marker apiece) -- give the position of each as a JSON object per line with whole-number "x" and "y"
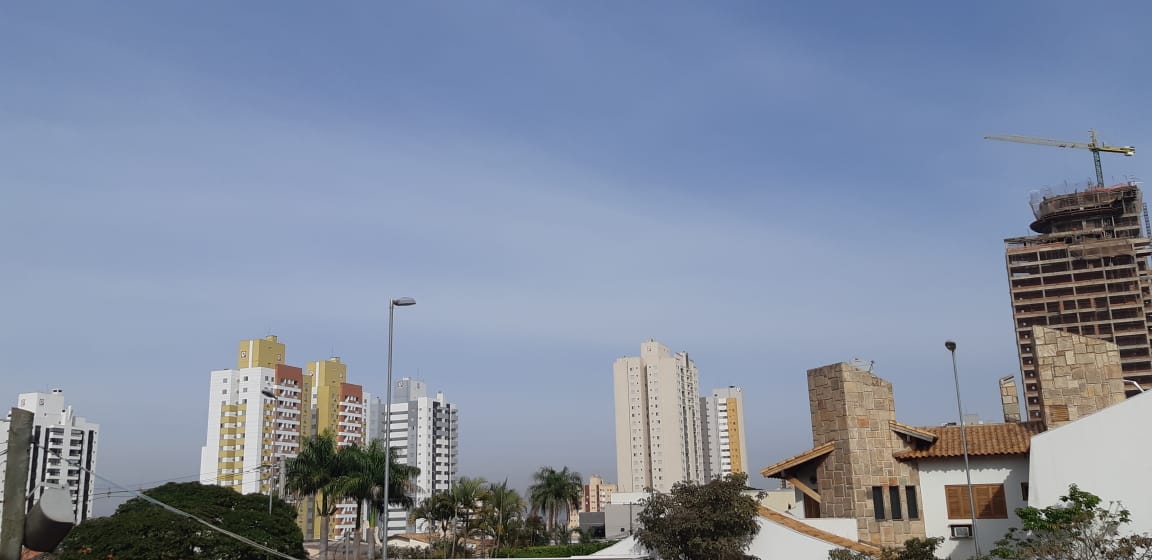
{"x": 961, "y": 531}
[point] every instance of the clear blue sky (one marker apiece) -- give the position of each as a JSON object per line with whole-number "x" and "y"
{"x": 769, "y": 186}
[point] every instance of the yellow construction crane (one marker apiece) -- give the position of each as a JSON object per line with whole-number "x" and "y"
{"x": 1093, "y": 145}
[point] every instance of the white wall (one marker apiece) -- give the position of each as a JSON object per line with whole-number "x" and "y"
{"x": 1102, "y": 453}
{"x": 774, "y": 542}
{"x": 935, "y": 474}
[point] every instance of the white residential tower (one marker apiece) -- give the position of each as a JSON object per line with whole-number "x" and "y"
{"x": 63, "y": 452}
{"x": 423, "y": 435}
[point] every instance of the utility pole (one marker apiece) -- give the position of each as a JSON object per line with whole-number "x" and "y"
{"x": 16, "y": 484}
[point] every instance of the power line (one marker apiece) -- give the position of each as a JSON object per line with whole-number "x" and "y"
{"x": 177, "y": 511}
{"x": 180, "y": 478}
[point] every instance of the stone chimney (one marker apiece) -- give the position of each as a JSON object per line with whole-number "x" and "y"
{"x": 1010, "y": 399}
{"x": 1078, "y": 375}
{"x": 855, "y": 409}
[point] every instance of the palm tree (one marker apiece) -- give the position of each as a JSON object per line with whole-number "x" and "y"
{"x": 363, "y": 481}
{"x": 468, "y": 494}
{"x": 400, "y": 488}
{"x": 439, "y": 510}
{"x": 555, "y": 491}
{"x": 314, "y": 472}
{"x": 500, "y": 513}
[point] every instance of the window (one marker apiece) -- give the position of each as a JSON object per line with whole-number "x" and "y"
{"x": 894, "y": 499}
{"x": 1024, "y": 491}
{"x": 878, "y": 501}
{"x": 913, "y": 507}
{"x": 989, "y": 499}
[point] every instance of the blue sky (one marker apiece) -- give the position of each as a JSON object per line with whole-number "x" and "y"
{"x": 769, "y": 186}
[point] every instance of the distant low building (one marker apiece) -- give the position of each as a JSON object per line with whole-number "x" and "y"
{"x": 597, "y": 494}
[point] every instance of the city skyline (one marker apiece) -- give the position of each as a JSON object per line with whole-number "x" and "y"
{"x": 813, "y": 181}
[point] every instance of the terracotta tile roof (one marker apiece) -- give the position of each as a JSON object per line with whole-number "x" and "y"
{"x": 912, "y": 432}
{"x": 983, "y": 439}
{"x": 814, "y": 453}
{"x": 801, "y": 527}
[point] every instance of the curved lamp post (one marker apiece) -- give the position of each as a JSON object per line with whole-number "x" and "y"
{"x": 951, "y": 346}
{"x": 398, "y": 302}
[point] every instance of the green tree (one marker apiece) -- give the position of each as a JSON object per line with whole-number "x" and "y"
{"x": 913, "y": 549}
{"x": 362, "y": 479}
{"x": 1078, "y": 528}
{"x": 501, "y": 510}
{"x": 467, "y": 495}
{"x": 141, "y": 529}
{"x": 438, "y": 511}
{"x": 314, "y": 473}
{"x": 713, "y": 521}
{"x": 555, "y": 491}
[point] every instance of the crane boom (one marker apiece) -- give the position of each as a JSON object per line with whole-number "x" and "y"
{"x": 1094, "y": 146}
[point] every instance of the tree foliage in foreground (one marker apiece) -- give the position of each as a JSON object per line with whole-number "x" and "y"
{"x": 713, "y": 521}
{"x": 140, "y": 529}
{"x": 1078, "y": 528}
{"x": 912, "y": 549}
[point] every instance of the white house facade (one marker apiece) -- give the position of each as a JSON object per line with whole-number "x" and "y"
{"x": 1101, "y": 453}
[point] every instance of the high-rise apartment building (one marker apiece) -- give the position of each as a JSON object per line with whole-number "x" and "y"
{"x": 597, "y": 494}
{"x": 259, "y": 412}
{"x": 722, "y": 429}
{"x": 254, "y": 419}
{"x": 423, "y": 434}
{"x": 1086, "y": 272}
{"x": 658, "y": 439}
{"x": 64, "y": 449}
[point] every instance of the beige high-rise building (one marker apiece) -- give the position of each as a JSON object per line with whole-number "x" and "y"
{"x": 725, "y": 445}
{"x": 658, "y": 439}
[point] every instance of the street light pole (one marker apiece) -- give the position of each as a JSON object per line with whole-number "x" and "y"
{"x": 275, "y": 401}
{"x": 392, "y": 305}
{"x": 951, "y": 346}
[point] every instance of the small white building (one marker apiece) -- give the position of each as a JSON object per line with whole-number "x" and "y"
{"x": 1101, "y": 453}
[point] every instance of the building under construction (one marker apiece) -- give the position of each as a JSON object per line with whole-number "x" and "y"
{"x": 1085, "y": 272}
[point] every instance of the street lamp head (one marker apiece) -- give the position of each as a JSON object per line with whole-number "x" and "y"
{"x": 951, "y": 346}
{"x": 268, "y": 393}
{"x": 404, "y": 301}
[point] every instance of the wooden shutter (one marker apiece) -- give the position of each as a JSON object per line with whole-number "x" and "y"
{"x": 956, "y": 497}
{"x": 990, "y": 501}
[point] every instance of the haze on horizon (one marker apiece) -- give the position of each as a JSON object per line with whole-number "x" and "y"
{"x": 768, "y": 187}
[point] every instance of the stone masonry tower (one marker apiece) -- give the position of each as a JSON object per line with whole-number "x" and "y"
{"x": 856, "y": 410}
{"x": 1077, "y": 375}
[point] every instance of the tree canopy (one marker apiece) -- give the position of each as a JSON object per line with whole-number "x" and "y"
{"x": 140, "y": 529}
{"x": 713, "y": 521}
{"x": 1078, "y": 528}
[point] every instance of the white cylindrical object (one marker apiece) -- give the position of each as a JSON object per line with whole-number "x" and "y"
{"x": 50, "y": 520}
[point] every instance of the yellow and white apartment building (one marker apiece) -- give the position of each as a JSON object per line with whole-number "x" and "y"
{"x": 259, "y": 412}
{"x": 722, "y": 422}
